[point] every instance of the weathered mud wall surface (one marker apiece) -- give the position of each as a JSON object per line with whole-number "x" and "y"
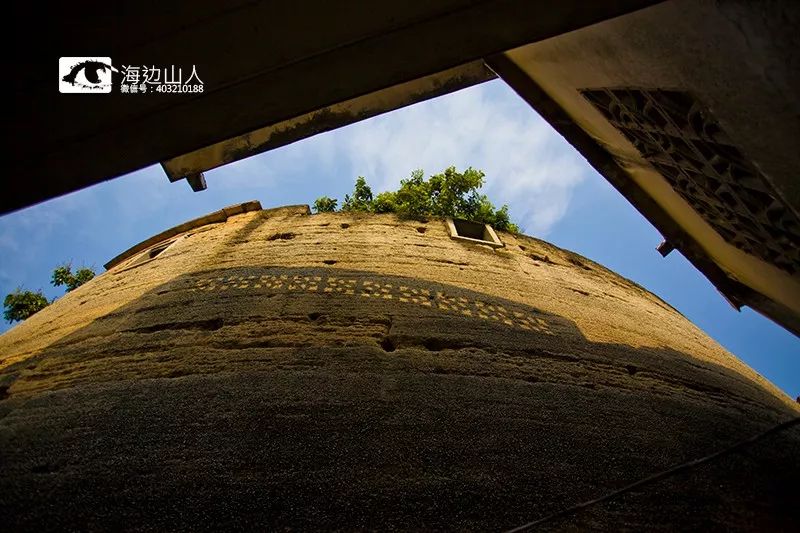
{"x": 280, "y": 370}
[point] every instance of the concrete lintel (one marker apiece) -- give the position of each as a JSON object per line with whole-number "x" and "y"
{"x": 326, "y": 119}
{"x": 262, "y": 63}
{"x": 734, "y": 291}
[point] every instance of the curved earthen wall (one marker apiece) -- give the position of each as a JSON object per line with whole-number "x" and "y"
{"x": 333, "y": 371}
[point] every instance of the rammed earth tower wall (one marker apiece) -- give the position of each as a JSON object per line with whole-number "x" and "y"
{"x": 272, "y": 369}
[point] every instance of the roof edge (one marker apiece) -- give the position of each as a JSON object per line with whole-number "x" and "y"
{"x": 217, "y": 216}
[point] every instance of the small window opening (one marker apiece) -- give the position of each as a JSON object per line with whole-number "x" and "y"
{"x": 473, "y": 231}
{"x": 157, "y": 250}
{"x": 150, "y": 254}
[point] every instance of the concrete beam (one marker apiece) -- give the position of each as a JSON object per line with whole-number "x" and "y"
{"x": 261, "y": 62}
{"x": 326, "y": 119}
{"x": 694, "y": 128}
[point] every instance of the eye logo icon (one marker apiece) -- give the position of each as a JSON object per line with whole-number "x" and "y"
{"x": 85, "y": 74}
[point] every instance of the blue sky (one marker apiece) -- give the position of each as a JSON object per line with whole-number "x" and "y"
{"x": 552, "y": 193}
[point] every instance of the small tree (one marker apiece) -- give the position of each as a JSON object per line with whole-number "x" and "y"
{"x": 324, "y": 204}
{"x": 447, "y": 194}
{"x": 63, "y": 276}
{"x": 20, "y": 304}
{"x": 361, "y": 199}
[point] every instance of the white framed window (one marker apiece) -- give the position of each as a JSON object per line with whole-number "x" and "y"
{"x": 466, "y": 230}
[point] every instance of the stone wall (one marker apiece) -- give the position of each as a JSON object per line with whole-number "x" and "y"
{"x": 281, "y": 370}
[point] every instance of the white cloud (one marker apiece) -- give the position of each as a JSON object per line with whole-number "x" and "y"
{"x": 527, "y": 164}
